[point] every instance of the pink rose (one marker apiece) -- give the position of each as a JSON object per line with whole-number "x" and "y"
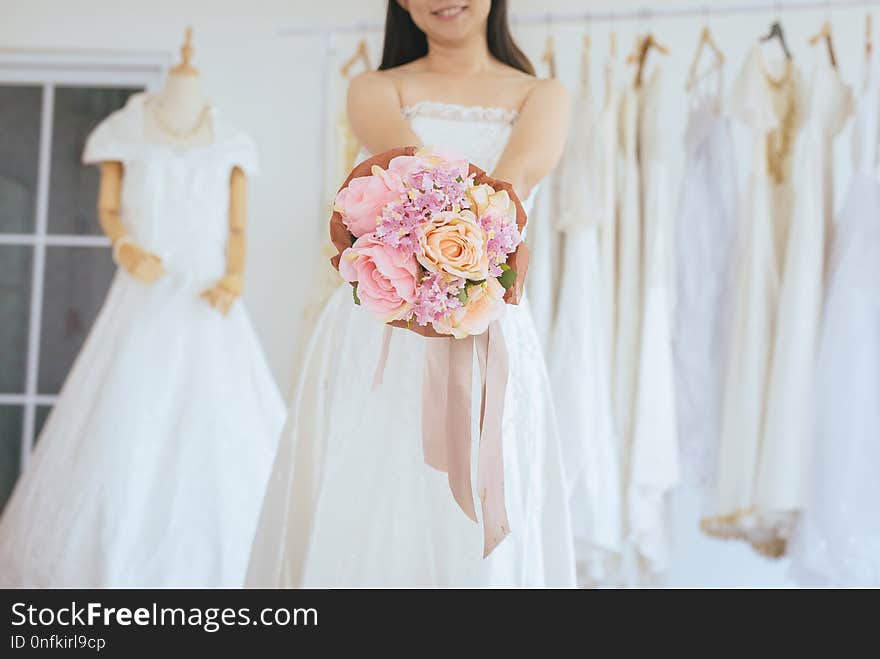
{"x": 361, "y": 202}
{"x": 403, "y": 165}
{"x": 485, "y": 304}
{"x": 386, "y": 277}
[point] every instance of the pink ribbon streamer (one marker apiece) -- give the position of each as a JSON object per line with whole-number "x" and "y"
{"x": 446, "y": 421}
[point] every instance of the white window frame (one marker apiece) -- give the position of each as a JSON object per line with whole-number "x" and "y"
{"x": 48, "y": 70}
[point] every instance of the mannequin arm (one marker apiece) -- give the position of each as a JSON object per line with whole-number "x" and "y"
{"x": 225, "y": 292}
{"x": 136, "y": 261}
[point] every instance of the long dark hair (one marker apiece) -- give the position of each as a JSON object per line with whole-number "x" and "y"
{"x": 405, "y": 42}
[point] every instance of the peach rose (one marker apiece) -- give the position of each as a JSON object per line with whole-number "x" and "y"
{"x": 361, "y": 202}
{"x": 489, "y": 202}
{"x": 485, "y": 304}
{"x": 455, "y": 243}
{"x": 386, "y": 277}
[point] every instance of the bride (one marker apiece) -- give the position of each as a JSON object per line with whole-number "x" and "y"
{"x": 351, "y": 501}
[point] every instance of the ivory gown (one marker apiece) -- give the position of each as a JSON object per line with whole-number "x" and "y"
{"x": 788, "y": 432}
{"x": 771, "y": 105}
{"x": 837, "y": 538}
{"x": 578, "y": 357}
{"x": 643, "y": 369}
{"x": 351, "y": 501}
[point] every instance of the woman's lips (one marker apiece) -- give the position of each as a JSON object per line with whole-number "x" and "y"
{"x": 449, "y": 13}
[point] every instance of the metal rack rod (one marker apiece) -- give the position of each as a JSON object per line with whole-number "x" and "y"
{"x": 599, "y": 16}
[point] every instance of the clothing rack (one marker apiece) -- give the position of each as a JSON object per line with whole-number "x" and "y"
{"x": 642, "y": 14}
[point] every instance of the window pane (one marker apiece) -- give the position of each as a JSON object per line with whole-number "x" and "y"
{"x": 77, "y": 279}
{"x": 10, "y": 448}
{"x": 73, "y": 192}
{"x": 15, "y": 297}
{"x": 20, "y": 109}
{"x": 40, "y": 420}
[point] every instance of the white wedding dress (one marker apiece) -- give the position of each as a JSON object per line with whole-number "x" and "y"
{"x": 837, "y": 539}
{"x": 704, "y": 241}
{"x": 787, "y": 438}
{"x": 771, "y": 104}
{"x": 578, "y": 355}
{"x": 351, "y": 501}
{"x": 150, "y": 468}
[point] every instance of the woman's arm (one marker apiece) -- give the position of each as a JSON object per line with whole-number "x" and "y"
{"x": 538, "y": 137}
{"x": 375, "y": 116}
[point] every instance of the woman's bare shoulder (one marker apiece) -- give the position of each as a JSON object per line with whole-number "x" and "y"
{"x": 370, "y": 89}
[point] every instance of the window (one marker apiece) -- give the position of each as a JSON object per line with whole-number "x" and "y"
{"x": 55, "y": 265}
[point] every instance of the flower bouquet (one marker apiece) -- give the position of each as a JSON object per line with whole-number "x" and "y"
{"x": 432, "y": 244}
{"x": 429, "y": 242}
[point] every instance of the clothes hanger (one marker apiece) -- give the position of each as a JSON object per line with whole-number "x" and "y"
{"x": 549, "y": 56}
{"x": 706, "y": 40}
{"x": 361, "y": 54}
{"x": 777, "y": 33}
{"x": 869, "y": 35}
{"x": 825, "y": 35}
{"x": 639, "y": 56}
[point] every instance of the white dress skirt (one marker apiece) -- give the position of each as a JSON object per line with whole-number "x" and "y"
{"x": 351, "y": 501}
{"x": 837, "y": 538}
{"x": 150, "y": 468}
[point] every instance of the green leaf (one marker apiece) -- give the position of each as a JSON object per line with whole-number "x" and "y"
{"x": 463, "y": 296}
{"x": 508, "y": 277}
{"x": 354, "y": 293}
{"x": 352, "y": 237}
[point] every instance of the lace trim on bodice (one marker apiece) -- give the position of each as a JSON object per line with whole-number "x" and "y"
{"x": 458, "y": 112}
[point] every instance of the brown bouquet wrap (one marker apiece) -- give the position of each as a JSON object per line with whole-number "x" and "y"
{"x": 518, "y": 260}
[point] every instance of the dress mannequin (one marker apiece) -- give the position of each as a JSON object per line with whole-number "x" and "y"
{"x": 178, "y": 115}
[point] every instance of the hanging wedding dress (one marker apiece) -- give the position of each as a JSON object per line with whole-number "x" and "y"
{"x": 578, "y": 362}
{"x": 704, "y": 242}
{"x": 644, "y": 374}
{"x": 351, "y": 501}
{"x": 783, "y": 464}
{"x": 608, "y": 182}
{"x": 771, "y": 105}
{"x": 149, "y": 471}
{"x": 837, "y": 540}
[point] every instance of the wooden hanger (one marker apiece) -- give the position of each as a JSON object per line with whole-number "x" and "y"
{"x": 869, "y": 35}
{"x": 549, "y": 56}
{"x": 777, "y": 33}
{"x": 186, "y": 53}
{"x": 825, "y": 35}
{"x": 706, "y": 40}
{"x": 361, "y": 54}
{"x": 639, "y": 56}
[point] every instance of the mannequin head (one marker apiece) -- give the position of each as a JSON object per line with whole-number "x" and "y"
{"x": 412, "y": 25}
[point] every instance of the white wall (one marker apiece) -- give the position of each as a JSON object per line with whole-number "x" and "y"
{"x": 271, "y": 86}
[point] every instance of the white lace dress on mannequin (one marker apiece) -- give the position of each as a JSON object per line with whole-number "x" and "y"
{"x": 578, "y": 358}
{"x": 351, "y": 501}
{"x": 837, "y": 540}
{"x": 149, "y": 471}
{"x": 704, "y": 236}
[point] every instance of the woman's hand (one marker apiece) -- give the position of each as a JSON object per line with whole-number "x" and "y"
{"x": 224, "y": 293}
{"x": 144, "y": 266}
{"x": 537, "y": 139}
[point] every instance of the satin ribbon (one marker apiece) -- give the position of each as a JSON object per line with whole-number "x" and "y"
{"x": 446, "y": 421}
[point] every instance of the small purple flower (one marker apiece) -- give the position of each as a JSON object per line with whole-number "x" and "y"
{"x": 436, "y": 296}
